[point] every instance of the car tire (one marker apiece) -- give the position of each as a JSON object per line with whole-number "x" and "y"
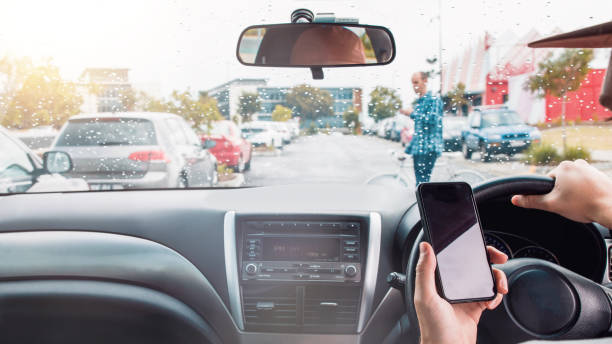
{"x": 485, "y": 155}
{"x": 467, "y": 152}
{"x": 215, "y": 177}
{"x": 240, "y": 166}
{"x": 181, "y": 182}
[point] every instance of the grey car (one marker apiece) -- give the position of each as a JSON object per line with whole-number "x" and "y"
{"x": 136, "y": 150}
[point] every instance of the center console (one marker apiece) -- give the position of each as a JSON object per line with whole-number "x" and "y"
{"x": 302, "y": 273}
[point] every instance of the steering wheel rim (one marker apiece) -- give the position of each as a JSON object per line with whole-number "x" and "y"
{"x": 521, "y": 272}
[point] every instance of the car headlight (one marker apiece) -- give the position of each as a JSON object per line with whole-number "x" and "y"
{"x": 494, "y": 137}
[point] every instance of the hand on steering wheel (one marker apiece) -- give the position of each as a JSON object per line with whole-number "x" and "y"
{"x": 442, "y": 322}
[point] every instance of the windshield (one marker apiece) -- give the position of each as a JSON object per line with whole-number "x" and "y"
{"x": 133, "y": 91}
{"x": 500, "y": 119}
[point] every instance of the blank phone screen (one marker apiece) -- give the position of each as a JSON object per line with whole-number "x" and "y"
{"x": 457, "y": 240}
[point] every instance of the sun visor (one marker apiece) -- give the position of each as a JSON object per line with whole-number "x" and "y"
{"x": 598, "y": 36}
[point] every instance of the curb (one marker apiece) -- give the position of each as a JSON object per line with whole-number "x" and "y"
{"x": 237, "y": 181}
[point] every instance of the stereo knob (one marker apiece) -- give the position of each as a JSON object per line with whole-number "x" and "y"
{"x": 251, "y": 269}
{"x": 350, "y": 270}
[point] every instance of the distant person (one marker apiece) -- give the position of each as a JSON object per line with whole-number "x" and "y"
{"x": 328, "y": 45}
{"x": 427, "y": 143}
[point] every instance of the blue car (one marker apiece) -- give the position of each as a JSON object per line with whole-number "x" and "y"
{"x": 497, "y": 131}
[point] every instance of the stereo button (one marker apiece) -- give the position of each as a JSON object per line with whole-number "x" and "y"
{"x": 350, "y": 270}
{"x": 251, "y": 269}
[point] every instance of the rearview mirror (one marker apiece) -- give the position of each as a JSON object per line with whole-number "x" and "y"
{"x": 57, "y": 162}
{"x": 315, "y": 45}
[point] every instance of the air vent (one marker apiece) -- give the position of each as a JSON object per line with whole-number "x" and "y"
{"x": 270, "y": 306}
{"x": 270, "y": 310}
{"x": 331, "y": 306}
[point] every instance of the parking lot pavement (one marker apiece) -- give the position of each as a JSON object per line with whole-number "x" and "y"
{"x": 355, "y": 159}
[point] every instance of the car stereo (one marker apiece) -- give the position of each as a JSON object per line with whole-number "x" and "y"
{"x": 301, "y": 251}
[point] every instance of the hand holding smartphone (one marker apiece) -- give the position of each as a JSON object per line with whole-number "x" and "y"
{"x": 452, "y": 227}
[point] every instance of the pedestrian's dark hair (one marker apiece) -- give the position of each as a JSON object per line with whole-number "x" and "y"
{"x": 424, "y": 75}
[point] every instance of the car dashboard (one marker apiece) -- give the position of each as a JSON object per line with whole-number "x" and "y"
{"x": 296, "y": 263}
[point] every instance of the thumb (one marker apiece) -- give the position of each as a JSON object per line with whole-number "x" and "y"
{"x": 533, "y": 201}
{"x": 425, "y": 283}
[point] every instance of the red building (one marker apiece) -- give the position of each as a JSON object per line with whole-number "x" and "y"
{"x": 487, "y": 79}
{"x": 582, "y": 104}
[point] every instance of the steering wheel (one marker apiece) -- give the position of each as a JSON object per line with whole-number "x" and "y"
{"x": 545, "y": 300}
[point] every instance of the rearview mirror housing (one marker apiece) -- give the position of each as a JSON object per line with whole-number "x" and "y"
{"x": 315, "y": 45}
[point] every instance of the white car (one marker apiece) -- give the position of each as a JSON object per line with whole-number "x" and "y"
{"x": 283, "y": 129}
{"x": 262, "y": 134}
{"x": 23, "y": 171}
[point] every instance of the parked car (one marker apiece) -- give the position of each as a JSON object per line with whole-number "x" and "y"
{"x": 231, "y": 147}
{"x": 283, "y": 129}
{"x": 38, "y": 139}
{"x": 262, "y": 134}
{"x": 21, "y": 170}
{"x": 399, "y": 123}
{"x": 136, "y": 150}
{"x": 497, "y": 131}
{"x": 406, "y": 135}
{"x": 384, "y": 128}
{"x": 452, "y": 127}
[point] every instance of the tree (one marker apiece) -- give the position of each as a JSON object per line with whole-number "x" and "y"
{"x": 310, "y": 102}
{"x": 13, "y": 72}
{"x": 457, "y": 98}
{"x": 201, "y": 112}
{"x": 351, "y": 119}
{"x": 560, "y": 76}
{"x": 248, "y": 104}
{"x": 384, "y": 102}
{"x": 281, "y": 113}
{"x": 42, "y": 97}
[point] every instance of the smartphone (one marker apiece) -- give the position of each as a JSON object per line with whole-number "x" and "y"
{"x": 452, "y": 227}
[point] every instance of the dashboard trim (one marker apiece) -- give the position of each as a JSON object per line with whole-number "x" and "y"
{"x": 231, "y": 267}
{"x": 371, "y": 273}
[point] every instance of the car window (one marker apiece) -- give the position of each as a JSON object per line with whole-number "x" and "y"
{"x": 220, "y": 128}
{"x": 14, "y": 161}
{"x": 108, "y": 132}
{"x": 190, "y": 135}
{"x": 498, "y": 119}
{"x": 475, "y": 120}
{"x": 176, "y": 131}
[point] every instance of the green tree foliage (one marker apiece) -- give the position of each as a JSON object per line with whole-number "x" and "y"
{"x": 310, "y": 102}
{"x": 12, "y": 72}
{"x": 201, "y": 111}
{"x": 281, "y": 113}
{"x": 457, "y": 98}
{"x": 351, "y": 119}
{"x": 248, "y": 104}
{"x": 384, "y": 102}
{"x": 39, "y": 97}
{"x": 559, "y": 76}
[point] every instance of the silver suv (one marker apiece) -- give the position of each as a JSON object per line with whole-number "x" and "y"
{"x": 136, "y": 150}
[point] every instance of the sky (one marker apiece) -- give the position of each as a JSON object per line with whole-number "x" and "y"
{"x": 191, "y": 44}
